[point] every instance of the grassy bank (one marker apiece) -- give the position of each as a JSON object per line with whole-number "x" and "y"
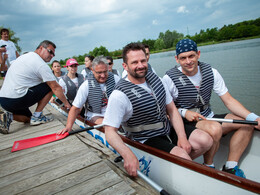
{"x": 208, "y": 43}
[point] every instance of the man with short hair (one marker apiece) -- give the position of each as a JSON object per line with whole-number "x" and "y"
{"x": 110, "y": 66}
{"x": 94, "y": 93}
{"x": 29, "y": 81}
{"x": 191, "y": 85}
{"x": 11, "y": 50}
{"x": 141, "y": 103}
{"x": 147, "y": 52}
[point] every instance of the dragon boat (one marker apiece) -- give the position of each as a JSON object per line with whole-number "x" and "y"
{"x": 181, "y": 176}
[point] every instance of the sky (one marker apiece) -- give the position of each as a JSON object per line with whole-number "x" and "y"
{"x": 78, "y": 26}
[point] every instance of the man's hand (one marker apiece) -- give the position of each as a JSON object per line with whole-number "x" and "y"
{"x": 131, "y": 164}
{"x": 64, "y": 130}
{"x": 67, "y": 106}
{"x": 193, "y": 116}
{"x": 184, "y": 144}
{"x": 258, "y": 126}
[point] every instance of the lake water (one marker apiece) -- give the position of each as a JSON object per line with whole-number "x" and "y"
{"x": 237, "y": 62}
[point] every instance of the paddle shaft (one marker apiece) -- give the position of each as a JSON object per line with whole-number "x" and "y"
{"x": 85, "y": 129}
{"x": 145, "y": 178}
{"x": 233, "y": 121}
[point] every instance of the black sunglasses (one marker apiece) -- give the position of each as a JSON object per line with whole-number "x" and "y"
{"x": 110, "y": 63}
{"x": 50, "y": 51}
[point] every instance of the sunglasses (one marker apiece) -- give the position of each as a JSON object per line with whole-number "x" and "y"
{"x": 110, "y": 63}
{"x": 50, "y": 52}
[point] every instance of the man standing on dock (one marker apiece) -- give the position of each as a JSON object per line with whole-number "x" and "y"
{"x": 191, "y": 85}
{"x": 141, "y": 103}
{"x": 29, "y": 81}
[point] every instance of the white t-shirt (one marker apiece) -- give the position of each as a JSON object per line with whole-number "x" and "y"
{"x": 219, "y": 86}
{"x": 64, "y": 86}
{"x": 124, "y": 73}
{"x": 120, "y": 109}
{"x": 82, "y": 96}
{"x": 10, "y": 50}
{"x": 26, "y": 71}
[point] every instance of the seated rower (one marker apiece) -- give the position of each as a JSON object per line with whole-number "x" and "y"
{"x": 191, "y": 85}
{"x": 56, "y": 69}
{"x": 94, "y": 93}
{"x": 88, "y": 66}
{"x": 150, "y": 68}
{"x": 71, "y": 82}
{"x": 110, "y": 66}
{"x": 141, "y": 103}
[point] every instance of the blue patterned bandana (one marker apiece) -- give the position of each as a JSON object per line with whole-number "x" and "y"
{"x": 185, "y": 45}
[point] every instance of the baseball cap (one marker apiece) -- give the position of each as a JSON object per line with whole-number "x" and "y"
{"x": 71, "y": 61}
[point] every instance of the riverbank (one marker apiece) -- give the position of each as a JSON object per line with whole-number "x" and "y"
{"x": 207, "y": 43}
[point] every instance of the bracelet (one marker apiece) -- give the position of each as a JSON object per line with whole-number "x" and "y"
{"x": 252, "y": 117}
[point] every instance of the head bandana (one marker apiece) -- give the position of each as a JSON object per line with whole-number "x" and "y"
{"x": 185, "y": 45}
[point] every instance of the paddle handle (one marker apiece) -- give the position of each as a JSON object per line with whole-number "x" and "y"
{"x": 145, "y": 178}
{"x": 233, "y": 121}
{"x": 86, "y": 129}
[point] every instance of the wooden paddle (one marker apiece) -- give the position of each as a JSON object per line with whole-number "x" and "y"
{"x": 145, "y": 178}
{"x": 32, "y": 142}
{"x": 233, "y": 121}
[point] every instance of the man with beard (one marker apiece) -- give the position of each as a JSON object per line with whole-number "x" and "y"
{"x": 141, "y": 103}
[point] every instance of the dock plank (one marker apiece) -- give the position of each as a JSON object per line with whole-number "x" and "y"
{"x": 40, "y": 156}
{"x": 44, "y": 173}
{"x": 94, "y": 185}
{"x": 77, "y": 164}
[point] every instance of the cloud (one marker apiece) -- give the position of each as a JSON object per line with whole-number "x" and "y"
{"x": 182, "y": 9}
{"x": 155, "y": 22}
{"x": 212, "y": 3}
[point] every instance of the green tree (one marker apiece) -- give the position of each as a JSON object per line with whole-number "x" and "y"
{"x": 159, "y": 44}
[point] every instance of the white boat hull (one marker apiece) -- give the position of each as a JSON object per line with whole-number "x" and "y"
{"x": 178, "y": 179}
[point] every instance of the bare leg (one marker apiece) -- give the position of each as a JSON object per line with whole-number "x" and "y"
{"x": 21, "y": 118}
{"x": 97, "y": 120}
{"x": 180, "y": 152}
{"x": 240, "y": 139}
{"x": 43, "y": 102}
{"x": 201, "y": 142}
{"x": 214, "y": 129}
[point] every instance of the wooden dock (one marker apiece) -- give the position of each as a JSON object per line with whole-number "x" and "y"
{"x": 78, "y": 164}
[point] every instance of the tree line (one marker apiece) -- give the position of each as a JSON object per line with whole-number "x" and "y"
{"x": 168, "y": 39}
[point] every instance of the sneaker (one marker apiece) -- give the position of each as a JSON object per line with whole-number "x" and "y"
{"x": 41, "y": 119}
{"x": 235, "y": 171}
{"x": 5, "y": 120}
{"x": 210, "y": 166}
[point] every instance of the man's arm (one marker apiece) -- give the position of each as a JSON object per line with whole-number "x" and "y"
{"x": 17, "y": 54}
{"x": 131, "y": 163}
{"x": 177, "y": 123}
{"x": 57, "y": 90}
{"x": 236, "y": 107}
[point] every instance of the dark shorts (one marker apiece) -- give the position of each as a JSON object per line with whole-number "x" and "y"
{"x": 164, "y": 143}
{"x": 3, "y": 73}
{"x": 20, "y": 106}
{"x": 192, "y": 125}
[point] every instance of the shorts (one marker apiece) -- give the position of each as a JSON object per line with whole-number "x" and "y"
{"x": 20, "y": 106}
{"x": 3, "y": 73}
{"x": 166, "y": 143}
{"x": 190, "y": 125}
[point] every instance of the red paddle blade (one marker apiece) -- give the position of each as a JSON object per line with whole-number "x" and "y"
{"x": 32, "y": 142}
